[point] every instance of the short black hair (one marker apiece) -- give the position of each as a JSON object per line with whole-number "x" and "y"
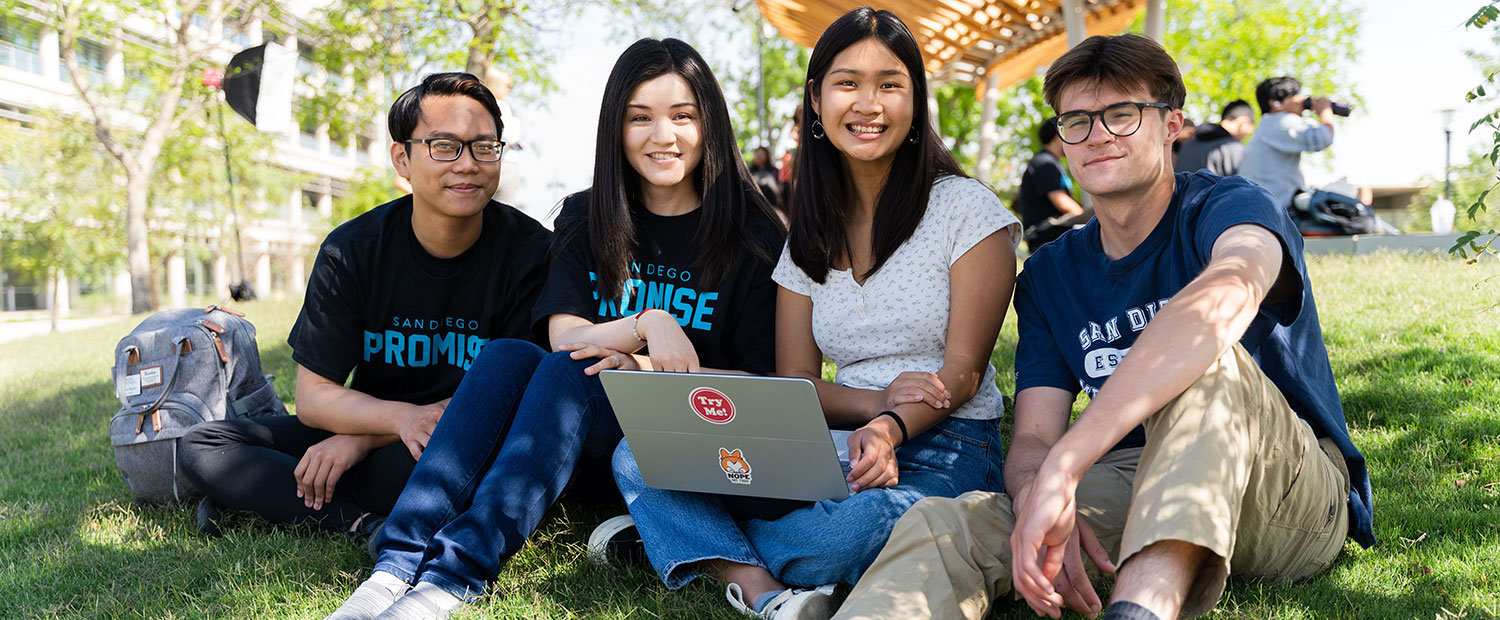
{"x": 1239, "y": 108}
{"x": 406, "y": 112}
{"x": 1275, "y": 89}
{"x": 1046, "y": 132}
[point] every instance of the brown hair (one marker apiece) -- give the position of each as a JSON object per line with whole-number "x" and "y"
{"x": 1125, "y": 62}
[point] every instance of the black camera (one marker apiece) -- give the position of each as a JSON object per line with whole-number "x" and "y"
{"x": 1339, "y": 108}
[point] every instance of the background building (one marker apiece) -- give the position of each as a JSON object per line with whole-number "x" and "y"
{"x": 279, "y": 246}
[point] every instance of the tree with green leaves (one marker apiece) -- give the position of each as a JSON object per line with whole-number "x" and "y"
{"x": 1472, "y": 181}
{"x": 194, "y": 201}
{"x": 1018, "y": 112}
{"x": 373, "y": 64}
{"x": 1482, "y": 239}
{"x": 1225, "y": 48}
{"x": 769, "y": 87}
{"x": 162, "y": 90}
{"x": 57, "y": 208}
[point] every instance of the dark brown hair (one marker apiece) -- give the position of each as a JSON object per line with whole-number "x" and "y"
{"x": 1125, "y": 62}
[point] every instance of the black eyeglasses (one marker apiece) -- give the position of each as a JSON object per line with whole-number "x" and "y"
{"x": 450, "y": 149}
{"x": 1121, "y": 119}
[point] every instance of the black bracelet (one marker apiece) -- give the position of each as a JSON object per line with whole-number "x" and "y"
{"x": 901, "y": 424}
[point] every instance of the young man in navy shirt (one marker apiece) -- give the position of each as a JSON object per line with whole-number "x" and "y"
{"x": 1214, "y": 440}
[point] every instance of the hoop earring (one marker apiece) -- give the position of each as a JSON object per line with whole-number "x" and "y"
{"x": 817, "y": 130}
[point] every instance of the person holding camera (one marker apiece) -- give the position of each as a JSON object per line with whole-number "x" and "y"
{"x": 1273, "y": 157}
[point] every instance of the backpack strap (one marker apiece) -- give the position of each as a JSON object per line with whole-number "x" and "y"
{"x": 168, "y": 379}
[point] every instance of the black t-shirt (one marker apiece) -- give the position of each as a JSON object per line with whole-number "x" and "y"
{"x": 732, "y": 326}
{"x": 1044, "y": 175}
{"x": 406, "y": 323}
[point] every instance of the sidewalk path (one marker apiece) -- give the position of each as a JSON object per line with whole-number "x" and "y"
{"x": 17, "y": 330}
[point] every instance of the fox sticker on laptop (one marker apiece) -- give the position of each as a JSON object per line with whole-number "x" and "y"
{"x": 711, "y": 405}
{"x": 735, "y": 467}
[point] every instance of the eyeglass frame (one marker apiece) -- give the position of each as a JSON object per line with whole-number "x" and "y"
{"x": 1099, "y": 114}
{"x": 463, "y": 145}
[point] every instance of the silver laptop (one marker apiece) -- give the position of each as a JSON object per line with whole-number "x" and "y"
{"x": 730, "y": 434}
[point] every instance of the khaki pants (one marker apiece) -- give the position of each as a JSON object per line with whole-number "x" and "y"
{"x": 1227, "y": 466}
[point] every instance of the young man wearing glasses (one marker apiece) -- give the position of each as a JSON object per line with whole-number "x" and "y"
{"x": 1213, "y": 441}
{"x": 403, "y": 297}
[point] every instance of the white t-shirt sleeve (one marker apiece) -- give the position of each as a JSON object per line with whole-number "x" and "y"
{"x": 972, "y": 213}
{"x": 790, "y": 276}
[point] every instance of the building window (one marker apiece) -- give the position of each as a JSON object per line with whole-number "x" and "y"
{"x": 362, "y": 154}
{"x": 305, "y": 66}
{"x": 90, "y": 59}
{"x": 20, "y": 44}
{"x": 310, "y": 200}
{"x": 338, "y": 141}
{"x": 19, "y": 115}
{"x": 236, "y": 34}
{"x": 308, "y": 120}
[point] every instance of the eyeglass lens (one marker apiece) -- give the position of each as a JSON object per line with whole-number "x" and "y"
{"x": 1121, "y": 119}
{"x": 449, "y": 150}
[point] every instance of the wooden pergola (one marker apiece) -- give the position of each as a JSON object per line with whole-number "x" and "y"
{"x": 991, "y": 44}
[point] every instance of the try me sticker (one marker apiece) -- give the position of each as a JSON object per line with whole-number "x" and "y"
{"x": 711, "y": 405}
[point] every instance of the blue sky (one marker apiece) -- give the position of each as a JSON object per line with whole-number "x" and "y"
{"x": 1410, "y": 65}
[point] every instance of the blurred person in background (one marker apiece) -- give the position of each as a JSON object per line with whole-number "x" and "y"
{"x": 1219, "y": 147}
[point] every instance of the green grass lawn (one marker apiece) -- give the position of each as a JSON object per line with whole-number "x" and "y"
{"x": 1414, "y": 342}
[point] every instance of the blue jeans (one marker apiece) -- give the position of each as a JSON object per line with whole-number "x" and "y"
{"x": 806, "y": 543}
{"x": 505, "y": 448}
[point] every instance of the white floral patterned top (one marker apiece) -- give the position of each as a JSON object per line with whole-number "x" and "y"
{"x": 897, "y": 321}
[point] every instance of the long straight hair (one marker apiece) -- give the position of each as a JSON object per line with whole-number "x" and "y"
{"x": 822, "y": 193}
{"x": 729, "y": 198}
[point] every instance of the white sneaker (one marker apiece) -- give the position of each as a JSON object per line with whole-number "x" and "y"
{"x": 616, "y": 542}
{"x": 372, "y": 597}
{"x": 791, "y": 604}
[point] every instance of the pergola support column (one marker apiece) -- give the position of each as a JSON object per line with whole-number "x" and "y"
{"x": 1073, "y": 20}
{"x": 1155, "y": 10}
{"x": 984, "y": 161}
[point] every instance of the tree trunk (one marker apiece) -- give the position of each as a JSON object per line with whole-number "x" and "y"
{"x": 481, "y": 47}
{"x": 52, "y": 307}
{"x": 137, "y": 253}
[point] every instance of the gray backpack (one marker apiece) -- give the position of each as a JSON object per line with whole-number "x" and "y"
{"x": 176, "y": 369}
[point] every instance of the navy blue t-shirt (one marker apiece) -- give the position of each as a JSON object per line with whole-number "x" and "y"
{"x": 1080, "y": 312}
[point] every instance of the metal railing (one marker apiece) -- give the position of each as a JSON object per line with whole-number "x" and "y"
{"x": 18, "y": 57}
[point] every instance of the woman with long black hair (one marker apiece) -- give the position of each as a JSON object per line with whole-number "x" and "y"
{"x": 672, "y": 208}
{"x": 899, "y": 269}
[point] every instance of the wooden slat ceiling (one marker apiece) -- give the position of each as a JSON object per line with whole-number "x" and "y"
{"x": 964, "y": 40}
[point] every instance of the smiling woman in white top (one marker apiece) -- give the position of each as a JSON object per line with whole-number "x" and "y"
{"x": 898, "y": 268}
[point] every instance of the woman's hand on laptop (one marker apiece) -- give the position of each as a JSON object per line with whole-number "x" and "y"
{"x": 872, "y": 459}
{"x": 671, "y": 351}
{"x": 609, "y": 359}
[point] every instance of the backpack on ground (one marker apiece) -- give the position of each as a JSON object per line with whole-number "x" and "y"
{"x": 1321, "y": 213}
{"x": 176, "y": 369}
